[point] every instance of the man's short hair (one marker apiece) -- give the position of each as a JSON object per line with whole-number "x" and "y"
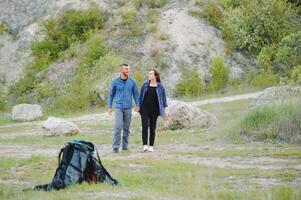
{"x": 124, "y": 65}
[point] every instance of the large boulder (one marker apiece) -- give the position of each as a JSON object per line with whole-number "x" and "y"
{"x": 27, "y": 112}
{"x": 277, "y": 94}
{"x": 181, "y": 115}
{"x": 54, "y": 126}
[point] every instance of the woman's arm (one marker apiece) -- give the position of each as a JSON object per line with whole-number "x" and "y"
{"x": 164, "y": 97}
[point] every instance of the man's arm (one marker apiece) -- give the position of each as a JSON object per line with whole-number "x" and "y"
{"x": 111, "y": 95}
{"x": 136, "y": 94}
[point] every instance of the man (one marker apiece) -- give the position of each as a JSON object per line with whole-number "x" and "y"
{"x": 122, "y": 89}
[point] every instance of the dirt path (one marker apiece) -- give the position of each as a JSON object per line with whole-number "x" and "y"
{"x": 179, "y": 152}
{"x": 227, "y": 99}
{"x": 30, "y": 128}
{"x": 165, "y": 152}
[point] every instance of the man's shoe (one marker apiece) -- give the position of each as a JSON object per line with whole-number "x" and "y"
{"x": 145, "y": 148}
{"x": 150, "y": 149}
{"x": 126, "y": 149}
{"x": 115, "y": 151}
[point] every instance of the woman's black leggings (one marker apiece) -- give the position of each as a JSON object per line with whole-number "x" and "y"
{"x": 149, "y": 119}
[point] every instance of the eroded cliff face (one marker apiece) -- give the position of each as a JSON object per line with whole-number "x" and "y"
{"x": 191, "y": 42}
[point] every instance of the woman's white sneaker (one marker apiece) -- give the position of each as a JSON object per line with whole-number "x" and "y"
{"x": 145, "y": 148}
{"x": 150, "y": 149}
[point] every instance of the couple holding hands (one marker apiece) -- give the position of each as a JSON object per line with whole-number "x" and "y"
{"x": 151, "y": 104}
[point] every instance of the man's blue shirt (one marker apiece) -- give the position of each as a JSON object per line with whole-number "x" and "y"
{"x": 122, "y": 92}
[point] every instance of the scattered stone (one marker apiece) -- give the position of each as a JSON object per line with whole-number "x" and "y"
{"x": 182, "y": 115}
{"x": 277, "y": 94}
{"x": 27, "y": 112}
{"x": 54, "y": 126}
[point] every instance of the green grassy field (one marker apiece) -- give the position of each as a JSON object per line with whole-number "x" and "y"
{"x": 187, "y": 164}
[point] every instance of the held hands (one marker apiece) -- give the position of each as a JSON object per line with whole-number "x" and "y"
{"x": 137, "y": 109}
{"x": 166, "y": 115}
{"x": 110, "y": 111}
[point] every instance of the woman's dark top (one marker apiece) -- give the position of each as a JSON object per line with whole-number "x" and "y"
{"x": 150, "y": 101}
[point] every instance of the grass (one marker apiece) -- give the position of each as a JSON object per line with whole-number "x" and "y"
{"x": 242, "y": 89}
{"x": 171, "y": 172}
{"x": 269, "y": 121}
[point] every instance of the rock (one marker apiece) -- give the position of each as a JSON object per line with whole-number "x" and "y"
{"x": 277, "y": 93}
{"x": 236, "y": 73}
{"x": 27, "y": 112}
{"x": 181, "y": 115}
{"x": 54, "y": 126}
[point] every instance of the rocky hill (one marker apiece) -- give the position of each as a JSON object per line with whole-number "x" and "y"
{"x": 53, "y": 51}
{"x": 191, "y": 41}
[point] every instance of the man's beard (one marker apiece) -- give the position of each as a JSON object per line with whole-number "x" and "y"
{"x": 124, "y": 74}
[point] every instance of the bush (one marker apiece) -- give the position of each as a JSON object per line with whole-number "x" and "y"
{"x": 264, "y": 78}
{"x": 191, "y": 84}
{"x": 3, "y": 28}
{"x": 72, "y": 26}
{"x": 164, "y": 36}
{"x": 266, "y": 56}
{"x": 294, "y": 78}
{"x": 212, "y": 12}
{"x": 256, "y": 24}
{"x": 275, "y": 121}
{"x": 231, "y": 3}
{"x": 3, "y": 100}
{"x": 197, "y": 2}
{"x": 131, "y": 23}
{"x": 220, "y": 74}
{"x": 296, "y": 75}
{"x": 96, "y": 48}
{"x": 84, "y": 91}
{"x": 157, "y": 3}
{"x": 128, "y": 18}
{"x": 288, "y": 54}
{"x": 60, "y": 33}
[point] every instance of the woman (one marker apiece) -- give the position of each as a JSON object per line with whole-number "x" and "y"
{"x": 152, "y": 104}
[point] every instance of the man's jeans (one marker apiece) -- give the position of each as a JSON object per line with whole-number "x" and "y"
{"x": 122, "y": 122}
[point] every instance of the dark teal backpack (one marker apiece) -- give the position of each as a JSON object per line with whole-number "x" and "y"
{"x": 76, "y": 164}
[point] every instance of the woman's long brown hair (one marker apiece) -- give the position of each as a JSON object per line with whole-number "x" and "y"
{"x": 157, "y": 74}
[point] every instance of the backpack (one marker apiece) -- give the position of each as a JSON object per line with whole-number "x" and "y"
{"x": 77, "y": 164}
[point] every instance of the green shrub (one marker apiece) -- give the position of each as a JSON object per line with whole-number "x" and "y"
{"x": 96, "y": 48}
{"x": 32, "y": 77}
{"x": 3, "y": 28}
{"x": 83, "y": 92}
{"x": 231, "y": 3}
{"x": 294, "y": 78}
{"x": 212, "y": 12}
{"x": 288, "y": 54}
{"x": 234, "y": 83}
{"x": 159, "y": 62}
{"x": 128, "y": 18}
{"x": 264, "y": 78}
{"x": 72, "y": 26}
{"x": 3, "y": 100}
{"x": 274, "y": 121}
{"x": 138, "y": 3}
{"x": 163, "y": 36}
{"x": 157, "y": 3}
{"x": 256, "y": 24}
{"x": 296, "y": 75}
{"x": 152, "y": 16}
{"x": 197, "y": 2}
{"x": 60, "y": 33}
{"x": 132, "y": 25}
{"x": 266, "y": 57}
{"x": 190, "y": 85}
{"x": 220, "y": 74}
